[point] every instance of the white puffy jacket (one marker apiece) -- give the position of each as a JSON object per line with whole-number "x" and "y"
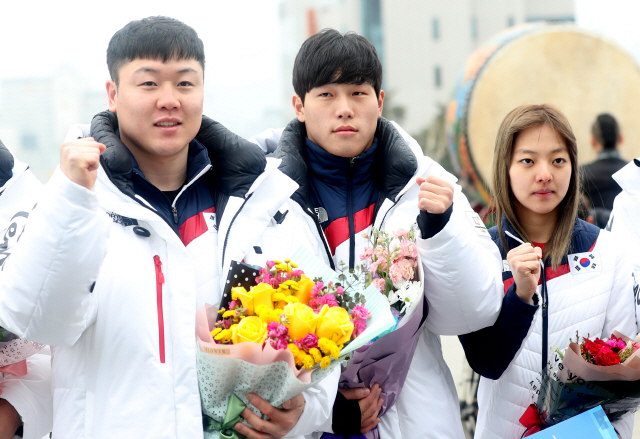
{"x": 99, "y": 275}
{"x": 594, "y": 301}
{"x": 463, "y": 287}
{"x": 29, "y": 394}
{"x": 623, "y": 221}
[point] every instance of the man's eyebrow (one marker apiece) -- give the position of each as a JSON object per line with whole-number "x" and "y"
{"x": 145, "y": 69}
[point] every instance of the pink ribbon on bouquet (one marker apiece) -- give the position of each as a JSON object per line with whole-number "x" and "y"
{"x": 17, "y": 369}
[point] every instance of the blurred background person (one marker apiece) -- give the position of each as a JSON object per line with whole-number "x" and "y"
{"x": 598, "y": 185}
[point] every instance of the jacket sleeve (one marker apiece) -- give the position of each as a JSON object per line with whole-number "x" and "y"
{"x": 30, "y": 395}
{"x": 318, "y": 406}
{"x": 462, "y": 273}
{"x": 509, "y": 331}
{"x": 623, "y": 226}
{"x": 46, "y": 283}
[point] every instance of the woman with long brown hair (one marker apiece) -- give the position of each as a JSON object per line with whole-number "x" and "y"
{"x": 560, "y": 274}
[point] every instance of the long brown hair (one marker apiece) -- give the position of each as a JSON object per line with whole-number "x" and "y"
{"x": 518, "y": 120}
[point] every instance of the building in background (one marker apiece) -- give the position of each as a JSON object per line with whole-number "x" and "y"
{"x": 423, "y": 44}
{"x": 37, "y": 112}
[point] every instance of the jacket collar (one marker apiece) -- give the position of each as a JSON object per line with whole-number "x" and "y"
{"x": 332, "y": 169}
{"x": 628, "y": 178}
{"x": 236, "y": 162}
{"x": 395, "y": 163}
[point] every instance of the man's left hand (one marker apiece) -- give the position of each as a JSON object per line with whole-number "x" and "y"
{"x": 280, "y": 422}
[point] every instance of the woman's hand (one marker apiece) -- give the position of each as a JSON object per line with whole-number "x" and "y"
{"x": 524, "y": 261}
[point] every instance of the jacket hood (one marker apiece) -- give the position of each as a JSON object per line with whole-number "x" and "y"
{"x": 6, "y": 164}
{"x": 236, "y": 162}
{"x": 395, "y": 161}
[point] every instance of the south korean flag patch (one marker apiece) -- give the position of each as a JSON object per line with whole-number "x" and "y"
{"x": 581, "y": 263}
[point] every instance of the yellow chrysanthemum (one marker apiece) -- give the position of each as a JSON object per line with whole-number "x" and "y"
{"x": 269, "y": 316}
{"x": 326, "y": 345}
{"x": 215, "y": 332}
{"x": 277, "y": 262}
{"x": 335, "y": 352}
{"x": 299, "y": 359}
{"x": 229, "y": 313}
{"x": 224, "y": 336}
{"x": 308, "y": 362}
{"x": 325, "y": 362}
{"x": 278, "y": 297}
{"x": 315, "y": 353}
{"x": 221, "y": 310}
{"x": 293, "y": 348}
{"x": 293, "y": 264}
{"x": 234, "y": 294}
{"x": 260, "y": 309}
{"x": 287, "y": 260}
{"x": 291, "y": 299}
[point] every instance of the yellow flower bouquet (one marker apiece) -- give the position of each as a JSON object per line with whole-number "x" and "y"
{"x": 280, "y": 330}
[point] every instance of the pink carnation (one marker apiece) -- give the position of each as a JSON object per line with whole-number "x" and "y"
{"x": 329, "y": 300}
{"x": 340, "y": 291}
{"x": 270, "y": 264}
{"x": 317, "y": 289}
{"x": 402, "y": 269}
{"x": 368, "y": 252}
{"x": 408, "y": 249}
{"x": 279, "y": 343}
{"x": 379, "y": 283}
{"x": 359, "y": 326}
{"x": 309, "y": 341}
{"x": 360, "y": 312}
{"x": 400, "y": 233}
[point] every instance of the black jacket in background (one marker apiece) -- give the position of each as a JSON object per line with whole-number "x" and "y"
{"x": 598, "y": 185}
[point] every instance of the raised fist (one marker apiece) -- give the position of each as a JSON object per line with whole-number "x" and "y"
{"x": 80, "y": 159}
{"x": 436, "y": 195}
{"x": 524, "y": 261}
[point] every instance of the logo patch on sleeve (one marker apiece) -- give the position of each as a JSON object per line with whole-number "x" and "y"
{"x": 477, "y": 223}
{"x": 584, "y": 262}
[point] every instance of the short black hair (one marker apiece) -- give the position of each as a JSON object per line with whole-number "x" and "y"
{"x": 329, "y": 57}
{"x": 153, "y": 38}
{"x": 606, "y": 131}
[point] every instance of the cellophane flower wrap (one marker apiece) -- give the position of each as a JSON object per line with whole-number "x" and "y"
{"x": 14, "y": 351}
{"x": 587, "y": 374}
{"x": 392, "y": 265}
{"x": 279, "y": 330}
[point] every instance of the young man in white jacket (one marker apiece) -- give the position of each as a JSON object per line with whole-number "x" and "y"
{"x": 134, "y": 232}
{"x": 26, "y": 397}
{"x": 356, "y": 170}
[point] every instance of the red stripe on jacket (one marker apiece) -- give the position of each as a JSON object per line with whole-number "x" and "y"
{"x": 195, "y": 226}
{"x": 338, "y": 231}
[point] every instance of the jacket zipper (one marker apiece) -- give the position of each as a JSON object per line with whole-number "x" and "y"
{"x": 159, "y": 282}
{"x": 226, "y": 237}
{"x": 545, "y": 308}
{"x": 321, "y": 235}
{"x": 174, "y": 209}
{"x": 352, "y": 227}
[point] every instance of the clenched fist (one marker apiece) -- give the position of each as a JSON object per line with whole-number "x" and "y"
{"x": 524, "y": 261}
{"x": 80, "y": 159}
{"x": 436, "y": 195}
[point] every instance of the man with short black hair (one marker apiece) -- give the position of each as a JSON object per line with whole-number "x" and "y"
{"x": 135, "y": 231}
{"x": 356, "y": 170}
{"x": 598, "y": 183}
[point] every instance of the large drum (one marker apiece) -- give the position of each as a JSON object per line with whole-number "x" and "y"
{"x": 579, "y": 72}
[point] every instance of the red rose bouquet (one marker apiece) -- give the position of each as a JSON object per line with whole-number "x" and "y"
{"x": 587, "y": 374}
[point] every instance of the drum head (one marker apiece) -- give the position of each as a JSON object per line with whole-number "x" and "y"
{"x": 580, "y": 73}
